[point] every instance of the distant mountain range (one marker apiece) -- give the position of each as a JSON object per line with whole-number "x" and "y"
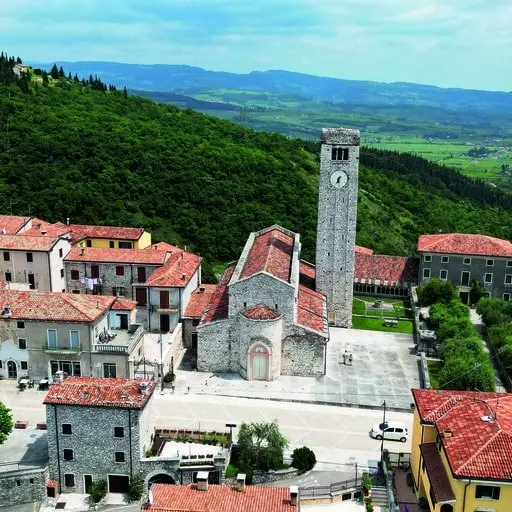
{"x": 189, "y": 80}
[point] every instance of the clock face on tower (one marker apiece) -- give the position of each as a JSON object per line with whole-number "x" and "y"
{"x": 339, "y": 179}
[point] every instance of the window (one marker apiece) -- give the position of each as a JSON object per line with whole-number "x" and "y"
{"x": 506, "y": 297}
{"x": 22, "y": 343}
{"x": 18, "y": 483}
{"x": 75, "y": 291}
{"x": 445, "y": 259}
{"x": 125, "y": 245}
{"x": 69, "y": 479}
{"x": 24, "y": 365}
{"x": 75, "y": 275}
{"x": 20, "y": 324}
{"x": 68, "y": 454}
{"x": 60, "y": 253}
{"x": 95, "y": 271}
{"x": 111, "y": 244}
{"x": 488, "y": 492}
{"x": 339, "y": 154}
{"x": 490, "y": 263}
{"x": 427, "y": 258}
{"x": 109, "y": 370}
{"x": 77, "y": 370}
{"x": 71, "y": 368}
{"x": 508, "y": 278}
{"x": 164, "y": 299}
{"x": 52, "y": 338}
{"x": 30, "y": 257}
{"x": 74, "y": 339}
{"x": 466, "y": 261}
{"x": 509, "y": 263}
{"x": 444, "y": 275}
{"x": 118, "y": 431}
{"x": 426, "y": 273}
{"x": 7, "y": 256}
{"x": 8, "y": 276}
{"x": 488, "y": 278}
{"x": 61, "y": 272}
{"x": 119, "y": 270}
{"x": 118, "y": 291}
{"x": 88, "y": 243}
{"x": 119, "y": 456}
{"x": 67, "y": 429}
{"x": 31, "y": 480}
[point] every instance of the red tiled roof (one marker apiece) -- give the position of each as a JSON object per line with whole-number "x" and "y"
{"x": 55, "y": 306}
{"x": 393, "y": 269}
{"x": 270, "y": 252}
{"x": 81, "y": 231}
{"x": 363, "y": 250}
{"x": 219, "y": 303}
{"x": 162, "y": 246}
{"x": 219, "y": 498}
{"x": 12, "y": 223}
{"x": 177, "y": 271}
{"x": 311, "y": 310}
{"x": 43, "y": 228}
{"x": 27, "y": 243}
{"x": 476, "y": 448}
{"x": 124, "y": 305}
{"x": 51, "y": 483}
{"x": 100, "y": 255}
{"x": 471, "y": 245}
{"x": 436, "y": 473}
{"x": 98, "y": 392}
{"x": 199, "y": 300}
{"x": 261, "y": 313}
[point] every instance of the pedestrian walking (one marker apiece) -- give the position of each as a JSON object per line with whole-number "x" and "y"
{"x": 350, "y": 359}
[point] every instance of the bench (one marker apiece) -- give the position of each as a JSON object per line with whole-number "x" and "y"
{"x": 390, "y": 322}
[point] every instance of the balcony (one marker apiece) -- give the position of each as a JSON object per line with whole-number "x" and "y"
{"x": 123, "y": 343}
{"x": 62, "y": 350}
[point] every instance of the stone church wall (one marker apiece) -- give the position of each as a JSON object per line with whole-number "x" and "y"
{"x": 303, "y": 354}
{"x": 214, "y": 351}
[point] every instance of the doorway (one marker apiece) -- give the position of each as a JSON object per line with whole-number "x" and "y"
{"x": 165, "y": 323}
{"x": 141, "y": 274}
{"x": 123, "y": 321}
{"x": 32, "y": 281}
{"x": 12, "y": 370}
{"x": 259, "y": 362}
{"x": 87, "y": 483}
{"x": 464, "y": 297}
{"x": 118, "y": 483}
{"x": 140, "y": 296}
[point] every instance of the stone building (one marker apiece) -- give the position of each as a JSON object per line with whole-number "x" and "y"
{"x": 262, "y": 321}
{"x": 337, "y": 213}
{"x": 98, "y": 429}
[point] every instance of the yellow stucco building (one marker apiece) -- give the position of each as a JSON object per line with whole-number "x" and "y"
{"x": 461, "y": 453}
{"x": 109, "y": 237}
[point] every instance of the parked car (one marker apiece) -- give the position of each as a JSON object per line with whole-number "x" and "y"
{"x": 392, "y": 430}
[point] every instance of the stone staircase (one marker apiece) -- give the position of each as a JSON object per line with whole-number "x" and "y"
{"x": 379, "y": 496}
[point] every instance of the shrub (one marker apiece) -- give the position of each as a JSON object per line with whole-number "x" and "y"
{"x": 169, "y": 377}
{"x": 231, "y": 471}
{"x": 303, "y": 459}
{"x": 136, "y": 488}
{"x": 436, "y": 291}
{"x": 98, "y": 490}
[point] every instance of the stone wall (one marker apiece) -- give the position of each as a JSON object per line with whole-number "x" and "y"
{"x": 303, "y": 354}
{"x": 215, "y": 351}
{"x": 23, "y": 486}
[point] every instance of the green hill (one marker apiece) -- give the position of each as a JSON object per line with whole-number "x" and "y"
{"x": 71, "y": 149}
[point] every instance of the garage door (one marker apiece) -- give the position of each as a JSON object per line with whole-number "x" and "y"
{"x": 118, "y": 483}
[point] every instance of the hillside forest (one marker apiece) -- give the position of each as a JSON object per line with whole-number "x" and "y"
{"x": 81, "y": 149}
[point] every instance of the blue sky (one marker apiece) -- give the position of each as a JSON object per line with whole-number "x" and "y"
{"x": 454, "y": 43}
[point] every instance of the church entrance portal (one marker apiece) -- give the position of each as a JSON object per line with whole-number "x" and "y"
{"x": 259, "y": 359}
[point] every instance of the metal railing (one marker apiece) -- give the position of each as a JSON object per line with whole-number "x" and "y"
{"x": 330, "y": 490}
{"x": 23, "y": 464}
{"x": 125, "y": 348}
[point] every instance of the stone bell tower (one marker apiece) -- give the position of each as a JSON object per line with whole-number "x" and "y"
{"x": 337, "y": 214}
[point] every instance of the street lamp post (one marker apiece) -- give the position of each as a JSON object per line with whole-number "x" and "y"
{"x": 383, "y": 428}
{"x": 161, "y": 364}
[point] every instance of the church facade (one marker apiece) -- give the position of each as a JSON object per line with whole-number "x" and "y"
{"x": 265, "y": 319}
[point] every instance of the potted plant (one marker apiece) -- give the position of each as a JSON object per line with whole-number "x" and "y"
{"x": 366, "y": 482}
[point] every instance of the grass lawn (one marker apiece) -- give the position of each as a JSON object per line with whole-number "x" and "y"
{"x": 434, "y": 369}
{"x": 401, "y": 308}
{"x": 376, "y": 324}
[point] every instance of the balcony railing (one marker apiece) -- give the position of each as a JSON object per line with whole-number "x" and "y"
{"x": 61, "y": 350}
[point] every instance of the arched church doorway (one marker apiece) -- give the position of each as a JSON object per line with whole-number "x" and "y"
{"x": 12, "y": 370}
{"x": 259, "y": 361}
{"x": 161, "y": 478}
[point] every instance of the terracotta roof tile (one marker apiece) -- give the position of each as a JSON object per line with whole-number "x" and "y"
{"x": 98, "y": 392}
{"x": 100, "y": 255}
{"x": 43, "y": 228}
{"x": 81, "y": 231}
{"x": 219, "y": 498}
{"x": 261, "y": 313}
{"x": 55, "y": 306}
{"x": 311, "y": 310}
{"x": 12, "y": 223}
{"x": 177, "y": 271}
{"x": 270, "y": 252}
{"x": 476, "y": 448}
{"x": 219, "y": 303}
{"x": 363, "y": 250}
{"x": 162, "y": 246}
{"x": 393, "y": 269}
{"x": 124, "y": 305}
{"x": 199, "y": 300}
{"x": 437, "y": 473}
{"x": 27, "y": 243}
{"x": 458, "y": 243}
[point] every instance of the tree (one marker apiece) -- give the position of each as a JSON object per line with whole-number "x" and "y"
{"x": 303, "y": 459}
{"x": 260, "y": 446}
{"x": 477, "y": 291}
{"x": 436, "y": 290}
{"x": 98, "y": 490}
{"x": 467, "y": 373}
{"x": 136, "y": 488}
{"x": 6, "y": 422}
{"x": 54, "y": 72}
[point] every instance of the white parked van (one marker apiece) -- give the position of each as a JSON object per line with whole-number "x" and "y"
{"x": 392, "y": 430}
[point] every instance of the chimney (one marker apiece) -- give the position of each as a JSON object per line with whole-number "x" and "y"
{"x": 240, "y": 482}
{"x": 67, "y": 221}
{"x": 202, "y": 480}
{"x": 294, "y": 495}
{"x": 183, "y": 276}
{"x": 83, "y": 251}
